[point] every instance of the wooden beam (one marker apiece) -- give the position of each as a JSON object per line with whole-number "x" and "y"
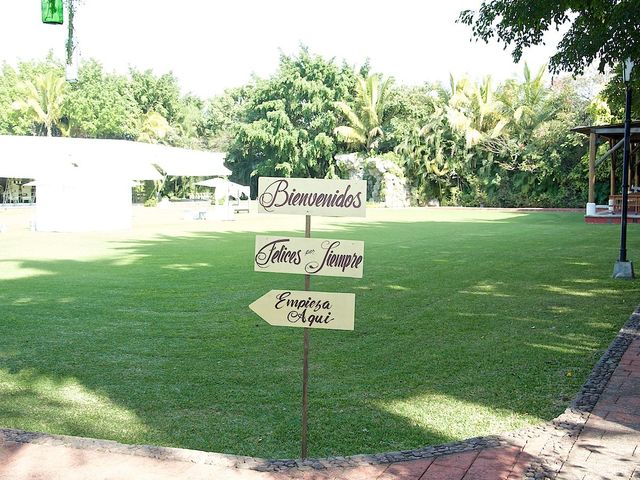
{"x": 610, "y": 151}
{"x": 592, "y": 167}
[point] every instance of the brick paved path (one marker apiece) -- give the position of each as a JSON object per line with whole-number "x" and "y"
{"x": 609, "y": 445}
{"x": 607, "y": 448}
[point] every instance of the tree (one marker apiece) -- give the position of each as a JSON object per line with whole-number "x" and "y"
{"x": 533, "y": 107}
{"x": 474, "y": 111}
{"x": 615, "y": 93}
{"x": 367, "y": 116}
{"x": 605, "y": 31}
{"x": 221, "y": 117}
{"x": 408, "y": 109}
{"x": 431, "y": 155}
{"x": 502, "y": 146}
{"x": 11, "y": 120}
{"x": 154, "y": 128}
{"x": 288, "y": 121}
{"x": 156, "y": 94}
{"x": 101, "y": 105}
{"x": 187, "y": 125}
{"x": 41, "y": 99}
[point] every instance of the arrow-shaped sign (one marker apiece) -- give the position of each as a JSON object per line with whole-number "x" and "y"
{"x": 293, "y": 308}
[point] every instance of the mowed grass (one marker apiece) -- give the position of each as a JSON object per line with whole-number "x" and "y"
{"x": 468, "y": 323}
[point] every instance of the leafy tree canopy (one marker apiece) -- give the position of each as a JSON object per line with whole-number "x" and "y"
{"x": 614, "y": 93}
{"x": 156, "y": 94}
{"x": 101, "y": 105}
{"x": 605, "y": 31}
{"x": 222, "y": 115}
{"x": 288, "y": 122}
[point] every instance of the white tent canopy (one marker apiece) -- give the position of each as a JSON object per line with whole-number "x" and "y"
{"x": 37, "y": 157}
{"x": 85, "y": 184}
{"x": 191, "y": 163}
{"x": 221, "y": 184}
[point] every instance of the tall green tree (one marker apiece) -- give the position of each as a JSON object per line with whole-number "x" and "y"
{"x": 188, "y": 123}
{"x": 11, "y": 121}
{"x": 159, "y": 94}
{"x": 101, "y": 105}
{"x": 408, "y": 109}
{"x": 615, "y": 93}
{"x": 288, "y": 122}
{"x": 222, "y": 116}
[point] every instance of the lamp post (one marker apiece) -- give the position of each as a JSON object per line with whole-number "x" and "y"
{"x": 623, "y": 268}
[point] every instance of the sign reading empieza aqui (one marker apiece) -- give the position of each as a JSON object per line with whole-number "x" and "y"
{"x": 293, "y": 308}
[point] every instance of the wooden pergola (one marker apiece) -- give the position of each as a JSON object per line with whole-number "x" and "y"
{"x": 614, "y": 136}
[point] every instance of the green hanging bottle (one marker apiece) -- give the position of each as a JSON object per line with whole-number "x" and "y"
{"x": 52, "y": 12}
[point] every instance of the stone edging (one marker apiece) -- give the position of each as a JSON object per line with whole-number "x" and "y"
{"x": 562, "y": 432}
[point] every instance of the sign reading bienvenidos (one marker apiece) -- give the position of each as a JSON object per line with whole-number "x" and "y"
{"x": 307, "y": 196}
{"x": 292, "y": 308}
{"x": 309, "y": 256}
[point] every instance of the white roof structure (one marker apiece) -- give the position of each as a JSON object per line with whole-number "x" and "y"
{"x": 37, "y": 157}
{"x": 190, "y": 163}
{"x": 85, "y": 184}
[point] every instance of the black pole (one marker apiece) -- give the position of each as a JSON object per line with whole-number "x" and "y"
{"x": 625, "y": 175}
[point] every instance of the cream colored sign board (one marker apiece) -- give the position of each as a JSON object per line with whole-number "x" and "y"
{"x": 309, "y": 256}
{"x": 309, "y": 196}
{"x": 321, "y": 310}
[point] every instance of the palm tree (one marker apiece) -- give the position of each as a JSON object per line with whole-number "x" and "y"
{"x": 473, "y": 110}
{"x": 154, "y": 128}
{"x": 527, "y": 102}
{"x": 42, "y": 99}
{"x": 366, "y": 118}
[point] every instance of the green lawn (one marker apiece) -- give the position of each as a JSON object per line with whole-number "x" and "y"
{"x": 467, "y": 323}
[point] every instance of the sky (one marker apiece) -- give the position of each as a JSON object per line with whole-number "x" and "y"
{"x": 210, "y": 46}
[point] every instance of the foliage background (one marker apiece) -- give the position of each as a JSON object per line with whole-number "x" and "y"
{"x": 474, "y": 143}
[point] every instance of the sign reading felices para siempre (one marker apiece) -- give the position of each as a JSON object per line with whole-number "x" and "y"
{"x": 307, "y": 196}
{"x": 310, "y": 256}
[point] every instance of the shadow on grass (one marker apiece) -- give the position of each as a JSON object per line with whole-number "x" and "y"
{"x": 462, "y": 329}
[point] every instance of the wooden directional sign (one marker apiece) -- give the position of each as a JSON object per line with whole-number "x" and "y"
{"x": 292, "y": 308}
{"x": 308, "y": 196}
{"x": 309, "y": 256}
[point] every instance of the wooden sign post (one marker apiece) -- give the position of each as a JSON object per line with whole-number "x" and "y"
{"x": 305, "y": 362}
{"x": 336, "y": 258}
